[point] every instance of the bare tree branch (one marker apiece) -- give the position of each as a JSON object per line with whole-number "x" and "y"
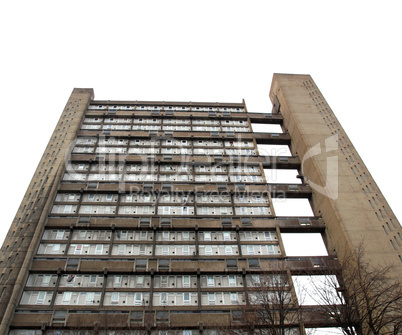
{"x": 361, "y": 298}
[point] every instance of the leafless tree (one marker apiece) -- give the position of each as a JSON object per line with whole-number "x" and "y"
{"x": 271, "y": 309}
{"x": 363, "y": 299}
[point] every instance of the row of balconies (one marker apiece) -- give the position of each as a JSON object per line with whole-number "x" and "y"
{"x": 168, "y": 168}
{"x": 166, "y": 142}
{"x": 209, "y": 265}
{"x": 126, "y": 127}
{"x": 182, "y": 108}
{"x": 268, "y": 162}
{"x": 168, "y": 121}
{"x": 147, "y": 224}
{"x": 160, "y": 236}
{"x": 184, "y": 112}
{"x": 143, "y": 177}
{"x": 160, "y": 210}
{"x": 171, "y": 282}
{"x": 160, "y": 250}
{"x": 182, "y": 138}
{"x": 207, "y": 321}
{"x": 276, "y": 190}
{"x": 205, "y": 199}
{"x": 140, "y": 281}
{"x": 164, "y": 151}
{"x": 73, "y": 298}
{"x": 85, "y": 298}
{"x": 228, "y": 133}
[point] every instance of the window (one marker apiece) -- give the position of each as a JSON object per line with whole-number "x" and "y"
{"x": 90, "y": 298}
{"x": 68, "y": 209}
{"x": 186, "y": 298}
{"x": 228, "y": 250}
{"x": 78, "y": 249}
{"x": 186, "y": 249}
{"x": 164, "y": 281}
{"x": 186, "y": 281}
{"x": 66, "y": 297}
{"x": 59, "y": 234}
{"x": 253, "y": 263}
{"x": 163, "y": 299}
{"x": 92, "y": 280}
{"x": 122, "y": 249}
{"x": 41, "y": 298}
{"x": 232, "y": 281}
{"x": 226, "y": 236}
{"x": 256, "y": 279}
{"x": 138, "y": 299}
{"x": 233, "y": 298}
{"x": 210, "y": 281}
{"x": 207, "y": 236}
{"x": 99, "y": 249}
{"x": 123, "y": 235}
{"x": 186, "y": 235}
{"x": 141, "y": 264}
{"x": 114, "y": 300}
{"x": 231, "y": 263}
{"x": 136, "y": 316}
{"x": 56, "y": 249}
{"x": 208, "y": 250}
{"x": 211, "y": 298}
{"x": 117, "y": 281}
{"x": 250, "y": 250}
{"x": 165, "y": 250}
{"x": 140, "y": 281}
{"x": 46, "y": 280}
{"x": 164, "y": 264}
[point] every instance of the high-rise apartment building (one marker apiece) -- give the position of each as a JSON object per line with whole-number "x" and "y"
{"x": 144, "y": 217}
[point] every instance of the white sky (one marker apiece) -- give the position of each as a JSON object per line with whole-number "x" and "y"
{"x": 197, "y": 51}
{"x": 303, "y": 244}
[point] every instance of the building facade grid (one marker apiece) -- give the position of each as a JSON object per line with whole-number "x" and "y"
{"x": 147, "y": 217}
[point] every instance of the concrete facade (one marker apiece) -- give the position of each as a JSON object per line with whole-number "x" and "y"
{"x": 146, "y": 216}
{"x": 356, "y": 213}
